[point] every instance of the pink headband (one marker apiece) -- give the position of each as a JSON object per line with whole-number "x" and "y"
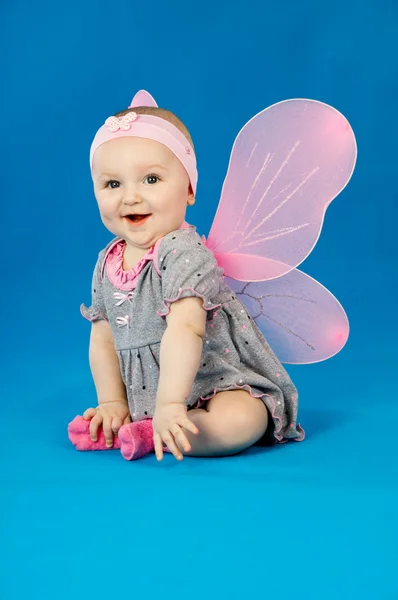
{"x": 149, "y": 127}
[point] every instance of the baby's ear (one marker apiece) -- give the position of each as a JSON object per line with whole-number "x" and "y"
{"x": 191, "y": 196}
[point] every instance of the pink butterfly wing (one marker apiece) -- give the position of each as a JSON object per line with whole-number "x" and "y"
{"x": 113, "y": 123}
{"x": 287, "y": 164}
{"x": 300, "y": 319}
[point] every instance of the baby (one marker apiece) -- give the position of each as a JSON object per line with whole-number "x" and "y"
{"x": 178, "y": 363}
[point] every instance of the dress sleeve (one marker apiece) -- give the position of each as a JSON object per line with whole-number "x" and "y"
{"x": 188, "y": 269}
{"x": 97, "y": 310}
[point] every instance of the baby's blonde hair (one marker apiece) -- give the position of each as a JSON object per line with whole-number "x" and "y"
{"x": 163, "y": 113}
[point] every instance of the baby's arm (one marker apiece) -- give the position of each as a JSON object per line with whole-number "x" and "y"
{"x": 104, "y": 364}
{"x": 181, "y": 350}
{"x": 113, "y": 410}
{"x": 180, "y": 354}
{"x": 190, "y": 286}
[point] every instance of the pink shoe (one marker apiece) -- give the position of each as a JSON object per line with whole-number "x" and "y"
{"x": 136, "y": 439}
{"x": 79, "y": 435}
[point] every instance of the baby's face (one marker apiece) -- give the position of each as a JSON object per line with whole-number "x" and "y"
{"x": 135, "y": 176}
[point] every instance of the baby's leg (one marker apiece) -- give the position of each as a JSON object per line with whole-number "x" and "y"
{"x": 231, "y": 422}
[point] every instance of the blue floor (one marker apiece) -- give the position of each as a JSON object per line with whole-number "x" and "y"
{"x": 311, "y": 520}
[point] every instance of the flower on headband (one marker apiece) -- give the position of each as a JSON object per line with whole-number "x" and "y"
{"x": 123, "y": 123}
{"x": 188, "y": 150}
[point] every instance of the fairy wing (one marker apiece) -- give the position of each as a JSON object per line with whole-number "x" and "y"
{"x": 287, "y": 164}
{"x": 300, "y": 319}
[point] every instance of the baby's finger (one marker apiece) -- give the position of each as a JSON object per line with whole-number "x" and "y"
{"x": 89, "y": 414}
{"x": 127, "y": 420}
{"x": 107, "y": 429}
{"x": 158, "y": 446}
{"x": 94, "y": 424}
{"x": 188, "y": 425}
{"x": 172, "y": 446}
{"x": 116, "y": 424}
{"x": 181, "y": 438}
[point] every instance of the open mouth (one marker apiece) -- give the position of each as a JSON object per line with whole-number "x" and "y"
{"x": 137, "y": 219}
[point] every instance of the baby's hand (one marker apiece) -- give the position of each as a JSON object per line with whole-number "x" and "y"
{"x": 167, "y": 422}
{"x": 111, "y": 415}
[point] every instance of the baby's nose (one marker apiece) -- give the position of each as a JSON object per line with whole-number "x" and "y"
{"x": 131, "y": 197}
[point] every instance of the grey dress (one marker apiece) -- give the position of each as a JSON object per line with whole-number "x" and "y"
{"x": 235, "y": 353}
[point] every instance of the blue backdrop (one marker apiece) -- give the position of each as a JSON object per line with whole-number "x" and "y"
{"x": 314, "y": 520}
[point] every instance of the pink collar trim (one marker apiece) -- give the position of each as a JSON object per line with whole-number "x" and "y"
{"x": 113, "y": 262}
{"x": 124, "y": 280}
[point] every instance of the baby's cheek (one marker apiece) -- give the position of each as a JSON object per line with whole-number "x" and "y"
{"x": 106, "y": 214}
{"x": 107, "y": 210}
{"x": 109, "y": 223}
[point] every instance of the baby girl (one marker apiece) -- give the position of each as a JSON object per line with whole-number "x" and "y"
{"x": 178, "y": 363}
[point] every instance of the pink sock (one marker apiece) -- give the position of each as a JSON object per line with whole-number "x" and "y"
{"x": 136, "y": 439}
{"x": 79, "y": 435}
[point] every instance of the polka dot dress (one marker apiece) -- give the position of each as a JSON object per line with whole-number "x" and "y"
{"x": 235, "y": 353}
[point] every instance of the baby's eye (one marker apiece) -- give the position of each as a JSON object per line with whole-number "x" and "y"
{"x": 112, "y": 184}
{"x": 151, "y": 179}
